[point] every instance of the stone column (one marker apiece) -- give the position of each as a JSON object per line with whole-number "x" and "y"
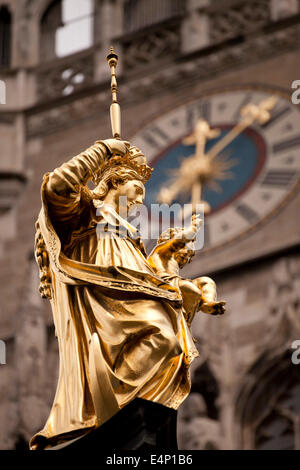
{"x": 27, "y": 33}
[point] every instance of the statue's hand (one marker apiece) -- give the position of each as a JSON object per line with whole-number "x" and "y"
{"x": 191, "y": 232}
{"x": 116, "y": 146}
{"x": 213, "y": 308}
{"x": 196, "y": 222}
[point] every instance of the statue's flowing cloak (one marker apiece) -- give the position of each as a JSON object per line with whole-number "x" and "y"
{"x": 120, "y": 328}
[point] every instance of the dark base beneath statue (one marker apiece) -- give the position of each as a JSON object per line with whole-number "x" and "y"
{"x": 141, "y": 425}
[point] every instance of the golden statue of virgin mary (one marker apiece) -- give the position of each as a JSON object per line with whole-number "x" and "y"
{"x": 120, "y": 327}
{"x": 121, "y": 321}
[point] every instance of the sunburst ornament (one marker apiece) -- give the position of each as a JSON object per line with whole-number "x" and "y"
{"x": 205, "y": 171}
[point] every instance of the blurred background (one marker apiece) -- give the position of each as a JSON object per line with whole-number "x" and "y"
{"x": 180, "y": 60}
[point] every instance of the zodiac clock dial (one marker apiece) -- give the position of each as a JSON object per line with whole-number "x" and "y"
{"x": 265, "y": 159}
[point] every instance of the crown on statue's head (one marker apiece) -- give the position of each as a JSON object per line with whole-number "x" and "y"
{"x": 134, "y": 159}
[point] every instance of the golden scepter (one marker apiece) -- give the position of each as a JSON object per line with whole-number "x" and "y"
{"x": 115, "y": 110}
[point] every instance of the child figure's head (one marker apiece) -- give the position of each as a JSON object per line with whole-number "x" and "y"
{"x": 184, "y": 253}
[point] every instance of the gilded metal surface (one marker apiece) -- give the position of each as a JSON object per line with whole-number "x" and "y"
{"x": 210, "y": 167}
{"x": 170, "y": 255}
{"x": 122, "y": 320}
{"x": 115, "y": 111}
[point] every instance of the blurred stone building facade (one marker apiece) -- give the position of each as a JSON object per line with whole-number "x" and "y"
{"x": 246, "y": 390}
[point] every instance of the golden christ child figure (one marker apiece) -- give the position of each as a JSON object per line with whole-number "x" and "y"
{"x": 122, "y": 324}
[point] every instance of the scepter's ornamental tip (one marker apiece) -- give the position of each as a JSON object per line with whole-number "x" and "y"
{"x": 112, "y": 57}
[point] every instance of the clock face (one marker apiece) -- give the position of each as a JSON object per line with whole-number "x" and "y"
{"x": 265, "y": 159}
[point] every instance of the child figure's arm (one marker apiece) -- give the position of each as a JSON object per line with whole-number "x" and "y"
{"x": 190, "y": 233}
{"x": 209, "y": 302}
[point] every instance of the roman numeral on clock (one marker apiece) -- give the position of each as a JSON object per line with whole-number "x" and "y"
{"x": 195, "y": 112}
{"x": 246, "y": 212}
{"x": 247, "y": 99}
{"x": 278, "y": 178}
{"x": 275, "y": 116}
{"x": 155, "y": 137}
{"x": 286, "y": 144}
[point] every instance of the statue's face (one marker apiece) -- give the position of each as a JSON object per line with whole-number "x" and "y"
{"x": 185, "y": 254}
{"x": 134, "y": 191}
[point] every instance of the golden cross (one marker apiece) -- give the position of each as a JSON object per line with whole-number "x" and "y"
{"x": 250, "y": 113}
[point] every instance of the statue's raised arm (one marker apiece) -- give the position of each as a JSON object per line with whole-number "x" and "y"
{"x": 65, "y": 185}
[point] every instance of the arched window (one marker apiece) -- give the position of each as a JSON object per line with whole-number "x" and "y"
{"x": 66, "y": 28}
{"x": 268, "y": 406}
{"x": 51, "y": 21}
{"x": 5, "y": 37}
{"x": 280, "y": 428}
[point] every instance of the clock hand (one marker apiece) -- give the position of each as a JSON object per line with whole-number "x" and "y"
{"x": 199, "y": 137}
{"x": 202, "y": 133}
{"x": 250, "y": 113}
{"x": 199, "y": 169}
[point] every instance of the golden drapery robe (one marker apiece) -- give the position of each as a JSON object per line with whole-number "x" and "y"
{"x": 120, "y": 328}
